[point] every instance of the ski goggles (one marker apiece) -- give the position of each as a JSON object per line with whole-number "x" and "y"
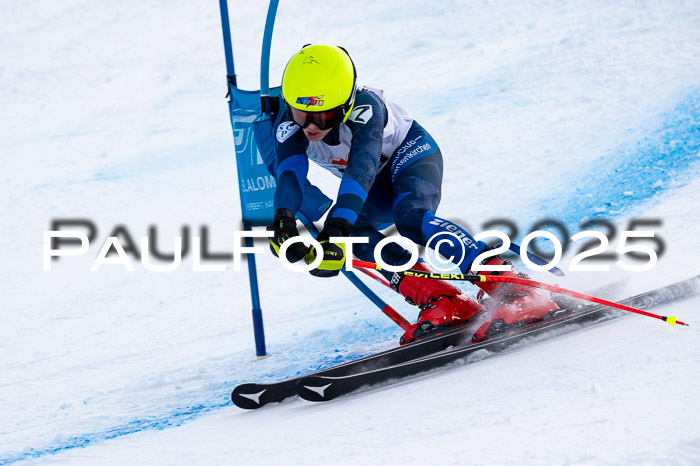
{"x": 324, "y": 120}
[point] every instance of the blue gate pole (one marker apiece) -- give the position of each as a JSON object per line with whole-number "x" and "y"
{"x": 265, "y": 100}
{"x": 228, "y": 49}
{"x": 266, "y": 109}
{"x": 258, "y": 328}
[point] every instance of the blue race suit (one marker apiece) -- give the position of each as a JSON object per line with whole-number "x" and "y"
{"x": 391, "y": 172}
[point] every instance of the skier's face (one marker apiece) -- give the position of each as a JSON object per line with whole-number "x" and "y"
{"x": 314, "y": 133}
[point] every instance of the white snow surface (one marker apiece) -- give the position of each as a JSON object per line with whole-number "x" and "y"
{"x": 115, "y": 112}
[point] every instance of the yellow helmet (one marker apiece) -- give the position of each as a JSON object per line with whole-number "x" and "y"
{"x": 318, "y": 85}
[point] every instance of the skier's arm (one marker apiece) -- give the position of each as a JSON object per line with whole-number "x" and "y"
{"x": 292, "y": 167}
{"x": 366, "y": 122}
{"x": 363, "y": 160}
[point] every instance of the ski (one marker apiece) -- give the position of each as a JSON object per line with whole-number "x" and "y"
{"x": 256, "y": 395}
{"x": 323, "y": 387}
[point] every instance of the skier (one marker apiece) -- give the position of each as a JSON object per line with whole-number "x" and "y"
{"x": 391, "y": 173}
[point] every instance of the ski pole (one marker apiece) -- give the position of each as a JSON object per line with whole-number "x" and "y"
{"x": 378, "y": 278}
{"x": 527, "y": 282}
{"x": 388, "y": 311}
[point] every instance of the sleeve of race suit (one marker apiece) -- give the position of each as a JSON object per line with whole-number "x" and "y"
{"x": 292, "y": 166}
{"x": 366, "y": 121}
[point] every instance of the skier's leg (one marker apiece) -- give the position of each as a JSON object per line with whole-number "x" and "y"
{"x": 513, "y": 304}
{"x": 417, "y": 181}
{"x": 441, "y": 303}
{"x": 417, "y": 178}
{"x": 376, "y": 215}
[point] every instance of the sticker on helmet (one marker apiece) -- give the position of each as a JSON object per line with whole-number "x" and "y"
{"x": 361, "y": 114}
{"x": 309, "y": 101}
{"x": 286, "y": 129}
{"x": 309, "y": 60}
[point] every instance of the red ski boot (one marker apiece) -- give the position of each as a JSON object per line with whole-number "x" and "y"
{"x": 516, "y": 304}
{"x": 441, "y": 304}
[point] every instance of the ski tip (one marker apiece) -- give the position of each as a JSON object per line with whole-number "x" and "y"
{"x": 248, "y": 396}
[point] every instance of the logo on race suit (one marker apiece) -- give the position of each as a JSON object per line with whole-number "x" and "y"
{"x": 408, "y": 152}
{"x": 339, "y": 162}
{"x": 409, "y": 144}
{"x": 286, "y": 129}
{"x": 453, "y": 229}
{"x": 311, "y": 101}
{"x": 361, "y": 114}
